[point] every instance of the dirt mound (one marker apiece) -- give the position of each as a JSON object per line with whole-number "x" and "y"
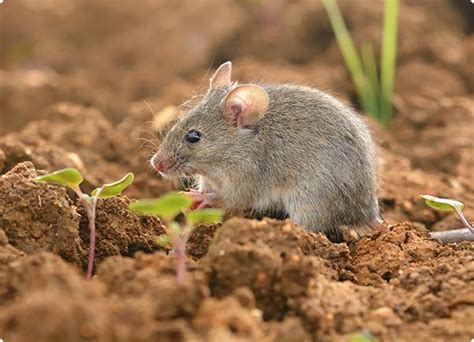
{"x": 42, "y": 217}
{"x": 38, "y": 217}
{"x": 290, "y": 275}
{"x": 276, "y": 265}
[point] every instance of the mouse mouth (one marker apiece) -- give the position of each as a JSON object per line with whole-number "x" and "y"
{"x": 168, "y": 167}
{"x": 164, "y": 167}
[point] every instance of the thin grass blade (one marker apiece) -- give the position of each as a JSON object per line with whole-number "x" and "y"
{"x": 388, "y": 57}
{"x": 351, "y": 57}
{"x": 370, "y": 70}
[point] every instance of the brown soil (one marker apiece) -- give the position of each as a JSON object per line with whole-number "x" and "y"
{"x": 89, "y": 84}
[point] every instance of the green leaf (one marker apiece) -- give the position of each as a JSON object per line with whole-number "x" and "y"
{"x": 442, "y": 203}
{"x": 115, "y": 188}
{"x": 68, "y": 177}
{"x": 167, "y": 207}
{"x": 163, "y": 240}
{"x": 208, "y": 215}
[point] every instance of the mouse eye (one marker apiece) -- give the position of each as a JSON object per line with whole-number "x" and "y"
{"x": 192, "y": 136}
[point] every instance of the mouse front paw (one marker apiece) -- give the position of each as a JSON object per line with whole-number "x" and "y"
{"x": 202, "y": 199}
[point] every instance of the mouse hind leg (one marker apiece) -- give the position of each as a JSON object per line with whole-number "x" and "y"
{"x": 338, "y": 222}
{"x": 313, "y": 215}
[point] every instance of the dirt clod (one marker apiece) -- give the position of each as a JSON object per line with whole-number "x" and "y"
{"x": 38, "y": 217}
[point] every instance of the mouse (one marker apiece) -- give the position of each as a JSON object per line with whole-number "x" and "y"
{"x": 287, "y": 149}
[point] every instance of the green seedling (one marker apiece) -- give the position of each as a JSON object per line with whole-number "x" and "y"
{"x": 72, "y": 178}
{"x": 446, "y": 204}
{"x": 374, "y": 89}
{"x": 167, "y": 208}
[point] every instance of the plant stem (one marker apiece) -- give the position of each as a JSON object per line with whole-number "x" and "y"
{"x": 90, "y": 260}
{"x": 178, "y": 248}
{"x": 90, "y": 207}
{"x": 181, "y": 254}
{"x": 180, "y": 262}
{"x": 464, "y": 220}
{"x": 453, "y": 236}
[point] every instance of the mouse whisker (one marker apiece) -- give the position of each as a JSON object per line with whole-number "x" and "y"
{"x": 143, "y": 133}
{"x": 147, "y": 143}
{"x": 149, "y": 107}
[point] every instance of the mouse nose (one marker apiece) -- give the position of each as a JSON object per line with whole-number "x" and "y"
{"x": 158, "y": 163}
{"x": 160, "y": 167}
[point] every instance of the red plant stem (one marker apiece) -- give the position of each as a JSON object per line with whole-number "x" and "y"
{"x": 180, "y": 262}
{"x": 180, "y": 250}
{"x": 463, "y": 219}
{"x": 91, "y": 212}
{"x": 90, "y": 260}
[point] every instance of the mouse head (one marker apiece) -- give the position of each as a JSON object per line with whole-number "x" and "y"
{"x": 205, "y": 139}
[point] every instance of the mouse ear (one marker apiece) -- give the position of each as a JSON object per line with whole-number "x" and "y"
{"x": 245, "y": 105}
{"x": 221, "y": 78}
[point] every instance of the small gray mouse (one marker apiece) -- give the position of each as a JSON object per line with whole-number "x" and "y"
{"x": 260, "y": 148}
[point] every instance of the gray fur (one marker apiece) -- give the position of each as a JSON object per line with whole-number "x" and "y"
{"x": 310, "y": 156}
